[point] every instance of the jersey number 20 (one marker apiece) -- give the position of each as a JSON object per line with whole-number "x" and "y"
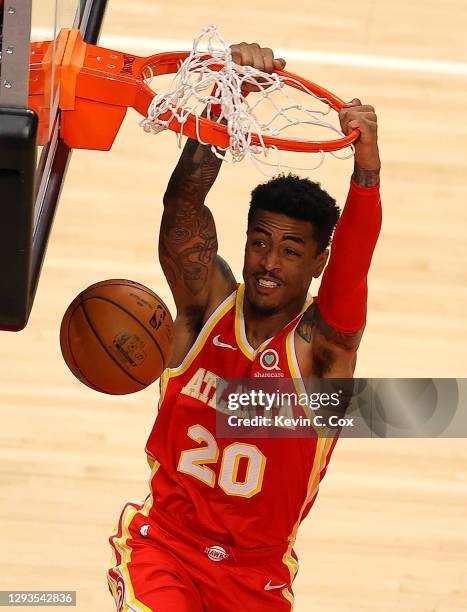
{"x": 193, "y": 462}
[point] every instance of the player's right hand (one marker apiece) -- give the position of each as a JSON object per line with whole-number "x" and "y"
{"x": 355, "y": 115}
{"x": 261, "y": 58}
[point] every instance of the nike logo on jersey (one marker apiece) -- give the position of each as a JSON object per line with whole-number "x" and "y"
{"x": 217, "y": 342}
{"x": 270, "y": 587}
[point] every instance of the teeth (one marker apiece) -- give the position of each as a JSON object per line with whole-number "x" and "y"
{"x": 267, "y": 283}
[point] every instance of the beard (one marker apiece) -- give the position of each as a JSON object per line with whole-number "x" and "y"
{"x": 263, "y": 311}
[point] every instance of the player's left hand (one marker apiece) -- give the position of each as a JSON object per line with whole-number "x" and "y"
{"x": 353, "y": 115}
{"x": 261, "y": 58}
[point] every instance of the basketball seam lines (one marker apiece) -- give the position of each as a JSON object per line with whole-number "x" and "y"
{"x": 103, "y": 345}
{"x": 124, "y": 283}
{"x": 85, "y": 378}
{"x": 148, "y": 331}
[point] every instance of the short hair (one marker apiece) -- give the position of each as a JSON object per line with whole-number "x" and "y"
{"x": 298, "y": 198}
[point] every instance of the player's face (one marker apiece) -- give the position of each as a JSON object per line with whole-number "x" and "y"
{"x": 281, "y": 258}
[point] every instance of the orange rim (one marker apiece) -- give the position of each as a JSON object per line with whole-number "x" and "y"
{"x": 216, "y": 133}
{"x": 98, "y": 85}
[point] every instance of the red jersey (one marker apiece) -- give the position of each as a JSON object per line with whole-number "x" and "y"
{"x": 237, "y": 500}
{"x": 197, "y": 480}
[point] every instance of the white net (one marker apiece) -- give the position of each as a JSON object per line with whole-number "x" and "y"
{"x": 271, "y": 111}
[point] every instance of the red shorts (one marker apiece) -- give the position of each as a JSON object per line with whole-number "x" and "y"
{"x": 160, "y": 567}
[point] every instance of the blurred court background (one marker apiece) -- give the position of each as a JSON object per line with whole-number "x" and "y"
{"x": 388, "y": 531}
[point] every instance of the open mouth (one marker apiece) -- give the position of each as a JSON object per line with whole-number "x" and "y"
{"x": 266, "y": 283}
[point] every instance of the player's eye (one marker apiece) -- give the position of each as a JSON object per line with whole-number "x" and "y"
{"x": 291, "y": 252}
{"x": 259, "y": 243}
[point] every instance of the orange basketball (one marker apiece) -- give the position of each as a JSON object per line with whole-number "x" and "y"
{"x": 117, "y": 336}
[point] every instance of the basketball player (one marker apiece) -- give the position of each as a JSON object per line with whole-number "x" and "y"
{"x": 217, "y": 531}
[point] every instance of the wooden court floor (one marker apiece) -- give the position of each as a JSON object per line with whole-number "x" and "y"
{"x": 389, "y": 529}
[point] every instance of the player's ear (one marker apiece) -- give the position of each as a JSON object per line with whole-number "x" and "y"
{"x": 319, "y": 263}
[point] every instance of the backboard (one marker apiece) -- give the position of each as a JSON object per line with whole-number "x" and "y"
{"x": 33, "y": 158}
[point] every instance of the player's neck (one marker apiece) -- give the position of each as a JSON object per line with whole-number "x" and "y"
{"x": 260, "y": 326}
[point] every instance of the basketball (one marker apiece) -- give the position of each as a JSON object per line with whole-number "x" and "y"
{"x": 117, "y": 336}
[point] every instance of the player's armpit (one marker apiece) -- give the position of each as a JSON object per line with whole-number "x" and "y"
{"x": 313, "y": 327}
{"x": 322, "y": 351}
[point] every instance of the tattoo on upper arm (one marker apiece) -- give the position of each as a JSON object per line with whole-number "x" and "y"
{"x": 365, "y": 178}
{"x": 187, "y": 247}
{"x": 169, "y": 267}
{"x": 312, "y": 318}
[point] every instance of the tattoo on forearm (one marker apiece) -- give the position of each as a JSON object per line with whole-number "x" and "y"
{"x": 365, "y": 178}
{"x": 209, "y": 169}
{"x": 194, "y": 174}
